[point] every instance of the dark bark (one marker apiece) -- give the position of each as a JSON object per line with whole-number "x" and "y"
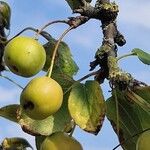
{"x": 105, "y": 57}
{"x": 2, "y": 45}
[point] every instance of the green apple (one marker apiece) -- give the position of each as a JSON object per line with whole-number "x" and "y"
{"x": 24, "y": 56}
{"x": 41, "y": 98}
{"x": 143, "y": 142}
{"x": 60, "y": 141}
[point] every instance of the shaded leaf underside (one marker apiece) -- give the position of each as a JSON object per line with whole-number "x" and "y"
{"x": 132, "y": 118}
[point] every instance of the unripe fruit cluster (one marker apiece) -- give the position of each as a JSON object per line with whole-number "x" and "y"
{"x": 42, "y": 96}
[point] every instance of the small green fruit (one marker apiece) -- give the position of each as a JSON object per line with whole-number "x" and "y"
{"x": 24, "y": 56}
{"x": 41, "y": 98}
{"x": 143, "y": 142}
{"x": 60, "y": 141}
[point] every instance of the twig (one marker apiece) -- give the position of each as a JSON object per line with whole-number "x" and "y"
{"x": 48, "y": 24}
{"x": 28, "y": 28}
{"x": 124, "y": 56}
{"x": 81, "y": 79}
{"x": 138, "y": 83}
{"x": 32, "y": 29}
{"x": 11, "y": 81}
{"x": 88, "y": 75}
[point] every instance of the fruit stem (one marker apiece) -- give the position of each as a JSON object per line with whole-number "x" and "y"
{"x": 126, "y": 55}
{"x": 11, "y": 81}
{"x": 123, "y": 142}
{"x": 28, "y": 28}
{"x": 48, "y": 24}
{"x": 55, "y": 50}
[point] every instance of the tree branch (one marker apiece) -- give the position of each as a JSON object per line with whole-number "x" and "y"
{"x": 2, "y": 45}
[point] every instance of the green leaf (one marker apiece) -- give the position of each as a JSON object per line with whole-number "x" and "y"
{"x": 87, "y": 106}
{"x": 133, "y": 118}
{"x": 64, "y": 64}
{"x": 139, "y": 100}
{"x": 54, "y": 123}
{"x": 74, "y": 4}
{"x": 9, "y": 112}
{"x": 64, "y": 80}
{"x": 143, "y": 56}
{"x": 15, "y": 143}
{"x": 143, "y": 114}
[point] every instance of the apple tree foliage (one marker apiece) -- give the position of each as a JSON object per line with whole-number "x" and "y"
{"x": 128, "y": 108}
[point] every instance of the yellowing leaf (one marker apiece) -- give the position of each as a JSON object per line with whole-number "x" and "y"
{"x": 87, "y": 107}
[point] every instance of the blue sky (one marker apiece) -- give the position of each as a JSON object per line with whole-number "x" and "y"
{"x": 133, "y": 22}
